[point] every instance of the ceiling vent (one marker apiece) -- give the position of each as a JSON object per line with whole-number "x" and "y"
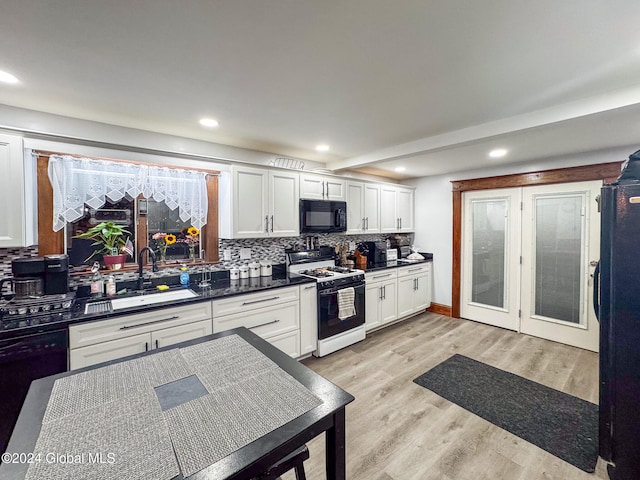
{"x": 287, "y": 163}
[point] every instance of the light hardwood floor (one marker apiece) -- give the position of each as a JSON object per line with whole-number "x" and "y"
{"x": 397, "y": 430}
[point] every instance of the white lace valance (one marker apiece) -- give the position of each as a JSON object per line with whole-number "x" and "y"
{"x": 80, "y": 181}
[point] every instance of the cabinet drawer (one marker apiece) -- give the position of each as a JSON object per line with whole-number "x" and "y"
{"x": 289, "y": 343}
{"x": 181, "y": 333}
{"x": 265, "y": 322}
{"x": 91, "y": 333}
{"x": 381, "y": 275}
{"x": 94, "y": 354}
{"x": 414, "y": 270}
{"x": 245, "y": 303}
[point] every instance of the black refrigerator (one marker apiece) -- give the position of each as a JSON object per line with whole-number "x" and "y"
{"x": 618, "y": 310}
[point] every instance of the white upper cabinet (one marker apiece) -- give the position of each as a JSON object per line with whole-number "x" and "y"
{"x": 388, "y": 206}
{"x": 320, "y": 187}
{"x": 396, "y": 209}
{"x": 363, "y": 208}
{"x": 405, "y": 209}
{"x": 258, "y": 203}
{"x": 17, "y": 194}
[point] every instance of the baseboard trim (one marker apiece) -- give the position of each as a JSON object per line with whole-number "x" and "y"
{"x": 440, "y": 309}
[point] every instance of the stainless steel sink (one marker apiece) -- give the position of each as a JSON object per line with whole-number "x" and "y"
{"x": 152, "y": 298}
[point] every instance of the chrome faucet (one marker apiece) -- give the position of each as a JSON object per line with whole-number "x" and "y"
{"x": 154, "y": 265}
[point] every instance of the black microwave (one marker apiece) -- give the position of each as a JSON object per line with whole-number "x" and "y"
{"x": 323, "y": 216}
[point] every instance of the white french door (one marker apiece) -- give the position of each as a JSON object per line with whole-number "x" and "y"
{"x": 490, "y": 256}
{"x": 547, "y": 241}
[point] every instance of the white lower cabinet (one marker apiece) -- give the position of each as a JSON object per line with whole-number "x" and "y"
{"x": 272, "y": 314}
{"x": 414, "y": 289}
{"x": 380, "y": 298}
{"x": 308, "y": 318}
{"x": 103, "y": 340}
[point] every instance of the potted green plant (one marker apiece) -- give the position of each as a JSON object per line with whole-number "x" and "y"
{"x": 110, "y": 237}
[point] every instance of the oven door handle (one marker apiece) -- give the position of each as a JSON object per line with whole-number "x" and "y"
{"x": 334, "y": 291}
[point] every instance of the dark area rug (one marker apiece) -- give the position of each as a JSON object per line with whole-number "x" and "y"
{"x": 561, "y": 424}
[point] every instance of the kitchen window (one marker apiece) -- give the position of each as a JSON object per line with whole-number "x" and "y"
{"x": 164, "y": 196}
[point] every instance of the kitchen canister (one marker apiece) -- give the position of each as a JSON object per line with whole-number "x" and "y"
{"x": 254, "y": 270}
{"x": 244, "y": 271}
{"x": 234, "y": 274}
{"x": 265, "y": 268}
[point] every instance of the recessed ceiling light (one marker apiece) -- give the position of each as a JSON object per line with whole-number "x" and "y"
{"x": 497, "y": 153}
{"x": 6, "y": 77}
{"x": 400, "y": 169}
{"x": 209, "y": 122}
{"x": 323, "y": 148}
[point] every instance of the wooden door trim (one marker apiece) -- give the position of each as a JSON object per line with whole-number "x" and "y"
{"x": 602, "y": 171}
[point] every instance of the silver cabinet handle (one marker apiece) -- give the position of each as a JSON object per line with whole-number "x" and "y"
{"x": 259, "y": 301}
{"x": 126, "y": 327}
{"x": 367, "y": 223}
{"x": 380, "y": 293}
{"x": 414, "y": 269}
{"x": 417, "y": 283}
{"x": 364, "y": 223}
{"x": 400, "y": 223}
{"x": 271, "y": 223}
{"x": 323, "y": 189}
{"x": 263, "y": 324}
{"x": 309, "y": 287}
{"x": 266, "y": 223}
{"x": 146, "y": 346}
{"x": 382, "y": 276}
{"x": 157, "y": 343}
{"x": 384, "y": 292}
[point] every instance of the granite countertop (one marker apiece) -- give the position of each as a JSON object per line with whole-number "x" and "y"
{"x": 220, "y": 287}
{"x": 398, "y": 264}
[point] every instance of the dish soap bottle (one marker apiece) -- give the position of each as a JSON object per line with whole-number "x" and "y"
{"x": 111, "y": 286}
{"x": 184, "y": 277}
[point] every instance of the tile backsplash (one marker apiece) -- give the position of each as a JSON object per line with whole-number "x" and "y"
{"x": 270, "y": 249}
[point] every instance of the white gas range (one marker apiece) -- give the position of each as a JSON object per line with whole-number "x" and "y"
{"x": 341, "y": 303}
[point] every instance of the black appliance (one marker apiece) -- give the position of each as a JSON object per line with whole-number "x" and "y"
{"x": 22, "y": 360}
{"x": 56, "y": 274}
{"x": 328, "y": 322}
{"x": 323, "y": 216}
{"x": 376, "y": 253}
{"x": 618, "y": 310}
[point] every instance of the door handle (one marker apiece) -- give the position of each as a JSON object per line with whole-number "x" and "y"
{"x": 266, "y": 223}
{"x": 400, "y": 223}
{"x": 323, "y": 189}
{"x": 384, "y": 292}
{"x": 367, "y": 224}
{"x": 146, "y": 346}
{"x": 157, "y": 344}
{"x": 380, "y": 293}
{"x": 364, "y": 224}
{"x": 271, "y": 223}
{"x": 593, "y": 263}
{"x": 596, "y": 291}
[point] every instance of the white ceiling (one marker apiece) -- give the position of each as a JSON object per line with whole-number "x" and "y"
{"x": 431, "y": 85}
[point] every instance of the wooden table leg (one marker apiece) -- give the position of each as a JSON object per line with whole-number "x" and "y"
{"x": 335, "y": 448}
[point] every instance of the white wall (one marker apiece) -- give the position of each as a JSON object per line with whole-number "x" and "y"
{"x": 76, "y": 136}
{"x": 434, "y": 209}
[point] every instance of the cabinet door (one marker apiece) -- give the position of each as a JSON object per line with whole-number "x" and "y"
{"x": 389, "y": 302}
{"x": 312, "y": 187}
{"x": 388, "y": 201}
{"x": 284, "y": 204}
{"x": 355, "y": 208}
{"x": 406, "y": 294}
{"x": 405, "y": 209}
{"x": 103, "y": 352}
{"x": 182, "y": 333}
{"x": 289, "y": 343}
{"x": 308, "y": 318}
{"x": 335, "y": 189}
{"x": 372, "y": 298}
{"x": 12, "y": 232}
{"x": 250, "y": 202}
{"x": 371, "y": 207}
{"x": 423, "y": 292}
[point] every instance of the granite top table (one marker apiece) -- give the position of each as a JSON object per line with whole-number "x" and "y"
{"x": 225, "y": 406}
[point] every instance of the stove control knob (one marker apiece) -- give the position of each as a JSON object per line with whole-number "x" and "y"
{"x": 331, "y": 282}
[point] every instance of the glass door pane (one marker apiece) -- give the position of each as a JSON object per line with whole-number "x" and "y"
{"x": 489, "y": 220}
{"x": 559, "y": 254}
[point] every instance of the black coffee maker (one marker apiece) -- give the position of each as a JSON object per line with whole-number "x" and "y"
{"x": 377, "y": 253}
{"x": 56, "y": 274}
